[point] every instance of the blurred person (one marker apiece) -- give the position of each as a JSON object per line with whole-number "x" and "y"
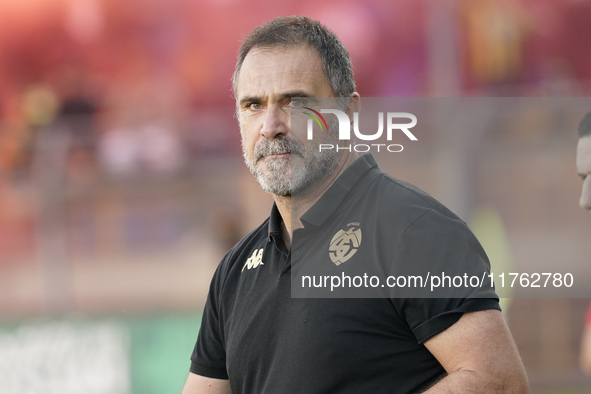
{"x": 584, "y": 161}
{"x": 119, "y": 151}
{"x": 77, "y": 118}
{"x": 161, "y": 148}
{"x": 154, "y": 146}
{"x": 584, "y": 170}
{"x": 585, "y": 357}
{"x": 255, "y": 338}
{"x": 16, "y": 223}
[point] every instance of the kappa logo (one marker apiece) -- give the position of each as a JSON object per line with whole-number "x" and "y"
{"x": 254, "y": 260}
{"x": 344, "y": 244}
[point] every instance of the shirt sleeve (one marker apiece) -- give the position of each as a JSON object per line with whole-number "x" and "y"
{"x": 441, "y": 244}
{"x": 209, "y": 355}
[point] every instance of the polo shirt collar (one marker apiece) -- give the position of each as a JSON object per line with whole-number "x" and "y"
{"x": 275, "y": 224}
{"x": 335, "y": 194}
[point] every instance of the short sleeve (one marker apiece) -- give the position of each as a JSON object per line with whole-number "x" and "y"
{"x": 439, "y": 243}
{"x": 209, "y": 355}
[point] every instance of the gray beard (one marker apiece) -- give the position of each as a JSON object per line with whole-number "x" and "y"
{"x": 282, "y": 179}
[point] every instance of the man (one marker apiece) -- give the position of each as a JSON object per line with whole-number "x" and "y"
{"x": 254, "y": 337}
{"x": 584, "y": 170}
{"x": 584, "y": 161}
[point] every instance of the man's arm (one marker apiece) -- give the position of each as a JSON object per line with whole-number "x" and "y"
{"x": 479, "y": 355}
{"x": 585, "y": 358}
{"x": 197, "y": 384}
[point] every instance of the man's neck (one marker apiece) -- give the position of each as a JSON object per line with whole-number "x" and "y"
{"x": 292, "y": 210}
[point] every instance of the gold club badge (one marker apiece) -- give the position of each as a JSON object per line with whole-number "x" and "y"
{"x": 344, "y": 244}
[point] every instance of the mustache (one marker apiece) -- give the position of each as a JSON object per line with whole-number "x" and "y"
{"x": 277, "y": 147}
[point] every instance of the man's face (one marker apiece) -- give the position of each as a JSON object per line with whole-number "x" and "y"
{"x": 584, "y": 170}
{"x": 268, "y": 80}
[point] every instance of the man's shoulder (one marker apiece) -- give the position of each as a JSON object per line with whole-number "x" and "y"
{"x": 398, "y": 196}
{"x": 407, "y": 190}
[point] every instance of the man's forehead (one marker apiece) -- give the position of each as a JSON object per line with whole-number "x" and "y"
{"x": 295, "y": 52}
{"x": 291, "y": 68}
{"x": 265, "y": 62}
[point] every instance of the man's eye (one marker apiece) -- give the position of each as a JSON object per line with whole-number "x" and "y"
{"x": 254, "y": 106}
{"x": 296, "y": 103}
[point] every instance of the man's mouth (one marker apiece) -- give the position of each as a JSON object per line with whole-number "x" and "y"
{"x": 278, "y": 154}
{"x": 277, "y": 149}
{"x": 273, "y": 155}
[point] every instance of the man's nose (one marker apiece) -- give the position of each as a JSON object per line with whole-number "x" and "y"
{"x": 276, "y": 123}
{"x": 585, "y": 201}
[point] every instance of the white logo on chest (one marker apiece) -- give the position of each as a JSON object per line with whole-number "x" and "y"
{"x": 255, "y": 260}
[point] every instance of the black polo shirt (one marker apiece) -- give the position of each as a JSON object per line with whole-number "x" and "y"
{"x": 266, "y": 342}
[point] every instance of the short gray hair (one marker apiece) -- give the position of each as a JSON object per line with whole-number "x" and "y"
{"x": 288, "y": 31}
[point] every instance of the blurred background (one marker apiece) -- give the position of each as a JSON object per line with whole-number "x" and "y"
{"x": 122, "y": 184}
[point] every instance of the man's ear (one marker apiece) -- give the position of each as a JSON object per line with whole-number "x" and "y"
{"x": 353, "y": 104}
